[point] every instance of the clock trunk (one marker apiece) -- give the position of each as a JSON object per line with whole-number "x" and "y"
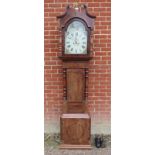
{"x": 75, "y": 85}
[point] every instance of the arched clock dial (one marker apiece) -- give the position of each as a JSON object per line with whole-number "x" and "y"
{"x": 76, "y": 39}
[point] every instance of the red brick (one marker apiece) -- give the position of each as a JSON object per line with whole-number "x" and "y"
{"x": 99, "y": 90}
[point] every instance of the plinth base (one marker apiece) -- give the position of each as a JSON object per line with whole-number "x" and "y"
{"x": 68, "y": 146}
{"x": 75, "y": 131}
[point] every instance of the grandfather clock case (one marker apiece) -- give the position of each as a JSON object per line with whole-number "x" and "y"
{"x": 76, "y": 25}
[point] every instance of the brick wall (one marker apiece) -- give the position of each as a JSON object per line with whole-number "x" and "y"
{"x": 99, "y": 97}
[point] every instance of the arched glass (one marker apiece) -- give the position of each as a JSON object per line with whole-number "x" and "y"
{"x": 76, "y": 38}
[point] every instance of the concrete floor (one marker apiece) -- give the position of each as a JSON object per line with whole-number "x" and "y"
{"x": 103, "y": 151}
{"x": 51, "y": 147}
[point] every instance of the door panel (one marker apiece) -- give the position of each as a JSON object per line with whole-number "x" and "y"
{"x": 75, "y": 85}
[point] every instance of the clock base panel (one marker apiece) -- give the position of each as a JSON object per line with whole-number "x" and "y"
{"x": 75, "y": 130}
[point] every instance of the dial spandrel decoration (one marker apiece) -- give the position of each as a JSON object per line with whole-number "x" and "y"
{"x": 76, "y": 39}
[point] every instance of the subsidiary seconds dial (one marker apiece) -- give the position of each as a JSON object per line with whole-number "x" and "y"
{"x": 76, "y": 39}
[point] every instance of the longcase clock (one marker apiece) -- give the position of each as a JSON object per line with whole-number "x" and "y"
{"x": 75, "y": 122}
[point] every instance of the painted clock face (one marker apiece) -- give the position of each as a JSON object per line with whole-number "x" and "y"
{"x": 76, "y": 39}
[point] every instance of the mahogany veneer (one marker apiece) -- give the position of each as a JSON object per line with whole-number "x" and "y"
{"x": 75, "y": 131}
